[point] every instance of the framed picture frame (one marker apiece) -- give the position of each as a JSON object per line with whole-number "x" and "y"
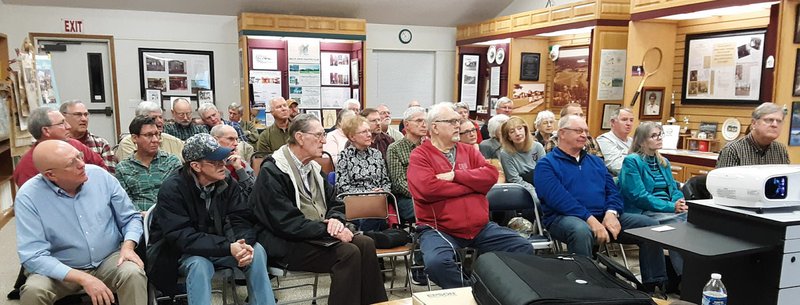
{"x": 797, "y": 25}
{"x": 529, "y": 66}
{"x": 608, "y": 110}
{"x": 315, "y": 112}
{"x": 469, "y": 73}
{"x": 651, "y": 106}
{"x": 796, "y": 83}
{"x": 794, "y": 128}
{"x": 723, "y": 68}
{"x": 153, "y": 95}
{"x": 205, "y": 97}
{"x": 176, "y": 72}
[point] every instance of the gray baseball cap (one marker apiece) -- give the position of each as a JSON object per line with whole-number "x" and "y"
{"x": 204, "y": 146}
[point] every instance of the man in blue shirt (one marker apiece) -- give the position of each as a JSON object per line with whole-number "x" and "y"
{"x": 581, "y": 203}
{"x": 71, "y": 237}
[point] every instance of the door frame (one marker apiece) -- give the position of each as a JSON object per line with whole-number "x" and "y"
{"x": 34, "y": 37}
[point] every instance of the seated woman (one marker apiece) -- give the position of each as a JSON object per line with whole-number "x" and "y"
{"x": 519, "y": 153}
{"x": 293, "y": 205}
{"x": 360, "y": 168}
{"x": 463, "y": 111}
{"x": 469, "y": 133}
{"x": 545, "y": 125}
{"x": 646, "y": 183}
{"x": 336, "y": 141}
{"x": 490, "y": 147}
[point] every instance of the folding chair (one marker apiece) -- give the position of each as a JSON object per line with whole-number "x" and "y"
{"x": 326, "y": 161}
{"x": 375, "y": 205}
{"x": 281, "y": 272}
{"x": 256, "y": 160}
{"x": 226, "y": 274}
{"x": 514, "y": 197}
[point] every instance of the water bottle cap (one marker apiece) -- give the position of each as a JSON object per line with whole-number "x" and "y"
{"x": 716, "y": 276}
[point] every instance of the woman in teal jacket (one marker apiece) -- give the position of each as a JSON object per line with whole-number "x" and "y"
{"x": 646, "y": 183}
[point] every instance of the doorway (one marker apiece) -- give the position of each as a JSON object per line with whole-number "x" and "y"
{"x": 84, "y": 69}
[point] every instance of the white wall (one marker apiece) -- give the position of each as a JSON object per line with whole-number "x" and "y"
{"x": 133, "y": 30}
{"x": 441, "y": 40}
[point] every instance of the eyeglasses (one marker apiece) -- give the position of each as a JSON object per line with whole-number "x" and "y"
{"x": 771, "y": 121}
{"x": 318, "y": 135}
{"x": 151, "y": 136}
{"x": 219, "y": 163}
{"x": 452, "y": 121}
{"x": 62, "y": 123}
{"x": 417, "y": 120}
{"x": 183, "y": 114}
{"x": 78, "y": 114}
{"x": 375, "y": 121}
{"x": 385, "y": 113}
{"x": 471, "y": 130}
{"x": 577, "y": 130}
{"x": 657, "y": 136}
{"x": 364, "y": 132}
{"x": 547, "y": 122}
{"x": 72, "y": 162}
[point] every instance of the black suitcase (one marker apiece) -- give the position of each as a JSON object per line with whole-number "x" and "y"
{"x": 501, "y": 278}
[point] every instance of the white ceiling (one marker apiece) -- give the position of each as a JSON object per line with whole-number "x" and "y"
{"x": 448, "y": 13}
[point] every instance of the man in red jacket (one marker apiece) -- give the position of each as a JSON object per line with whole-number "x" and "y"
{"x": 449, "y": 181}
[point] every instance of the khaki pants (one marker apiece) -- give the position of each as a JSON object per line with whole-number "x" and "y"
{"x": 128, "y": 281}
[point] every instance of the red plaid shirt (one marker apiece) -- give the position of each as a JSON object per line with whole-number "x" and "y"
{"x": 102, "y": 148}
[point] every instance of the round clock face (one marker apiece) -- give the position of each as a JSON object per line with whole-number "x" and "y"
{"x": 501, "y": 56}
{"x": 490, "y": 54}
{"x": 405, "y": 36}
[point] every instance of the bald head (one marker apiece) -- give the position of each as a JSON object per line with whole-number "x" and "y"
{"x": 52, "y": 154}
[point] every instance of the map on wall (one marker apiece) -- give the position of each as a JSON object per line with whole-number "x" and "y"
{"x": 571, "y": 79}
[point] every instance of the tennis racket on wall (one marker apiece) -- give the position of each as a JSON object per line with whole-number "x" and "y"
{"x": 650, "y": 62}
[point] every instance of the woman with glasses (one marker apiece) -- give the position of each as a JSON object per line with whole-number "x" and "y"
{"x": 519, "y": 153}
{"x": 360, "y": 168}
{"x": 463, "y": 111}
{"x": 468, "y": 133}
{"x": 646, "y": 183}
{"x": 545, "y": 125}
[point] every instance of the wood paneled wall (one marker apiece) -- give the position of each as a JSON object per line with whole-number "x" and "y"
{"x": 711, "y": 113}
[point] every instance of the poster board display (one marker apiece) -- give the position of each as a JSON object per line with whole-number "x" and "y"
{"x": 176, "y": 72}
{"x": 723, "y": 68}
{"x": 469, "y": 80}
{"x": 335, "y": 69}
{"x": 571, "y": 79}
{"x": 611, "y": 84}
{"x": 266, "y": 85}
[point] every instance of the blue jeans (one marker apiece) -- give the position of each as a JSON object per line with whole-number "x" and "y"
{"x": 579, "y": 238}
{"x": 406, "y": 206}
{"x": 438, "y": 250}
{"x": 667, "y": 218}
{"x": 199, "y": 270}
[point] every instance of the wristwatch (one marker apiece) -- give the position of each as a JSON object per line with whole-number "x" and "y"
{"x": 613, "y": 212}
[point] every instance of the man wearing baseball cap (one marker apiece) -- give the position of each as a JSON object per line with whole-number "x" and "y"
{"x": 200, "y": 223}
{"x": 293, "y": 108}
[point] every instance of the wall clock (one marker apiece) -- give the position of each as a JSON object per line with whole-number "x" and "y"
{"x": 405, "y": 36}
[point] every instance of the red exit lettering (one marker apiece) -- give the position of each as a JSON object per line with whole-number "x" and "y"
{"x": 73, "y": 26}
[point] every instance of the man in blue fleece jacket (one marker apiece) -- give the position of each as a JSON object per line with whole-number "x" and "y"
{"x": 581, "y": 203}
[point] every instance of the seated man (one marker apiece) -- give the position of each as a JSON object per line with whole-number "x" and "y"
{"x": 449, "y": 181}
{"x": 616, "y": 144}
{"x": 581, "y": 203}
{"x": 168, "y": 144}
{"x": 201, "y": 223}
{"x": 77, "y": 116}
{"x": 142, "y": 173}
{"x": 210, "y": 116}
{"x": 397, "y": 158}
{"x": 183, "y": 127}
{"x": 245, "y": 129}
{"x": 294, "y": 205}
{"x": 237, "y": 163}
{"x": 276, "y": 134}
{"x": 759, "y": 146}
{"x": 76, "y": 229}
{"x": 591, "y": 144}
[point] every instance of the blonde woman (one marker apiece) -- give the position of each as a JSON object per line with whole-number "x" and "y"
{"x": 519, "y": 153}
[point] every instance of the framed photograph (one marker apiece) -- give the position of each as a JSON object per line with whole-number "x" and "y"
{"x": 723, "y": 68}
{"x": 707, "y": 130}
{"x": 328, "y": 118}
{"x": 468, "y": 87}
{"x": 796, "y": 84}
{"x": 651, "y": 107}
{"x": 608, "y": 110}
{"x": 335, "y": 69}
{"x": 176, "y": 72}
{"x": 153, "y": 95}
{"x": 570, "y": 83}
{"x": 794, "y": 128}
{"x": 315, "y": 112}
{"x": 797, "y": 25}
{"x": 529, "y": 66}
{"x": 205, "y": 97}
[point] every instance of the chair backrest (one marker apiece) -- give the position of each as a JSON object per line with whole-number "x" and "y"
{"x": 512, "y": 197}
{"x": 373, "y": 205}
{"x": 326, "y": 161}
{"x": 256, "y": 160}
{"x": 148, "y": 219}
{"x": 695, "y": 188}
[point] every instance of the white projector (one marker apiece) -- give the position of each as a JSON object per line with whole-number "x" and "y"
{"x": 756, "y": 186}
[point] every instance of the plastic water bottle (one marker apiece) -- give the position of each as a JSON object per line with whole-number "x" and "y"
{"x": 714, "y": 293}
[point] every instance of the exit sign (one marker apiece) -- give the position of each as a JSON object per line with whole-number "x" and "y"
{"x": 73, "y": 26}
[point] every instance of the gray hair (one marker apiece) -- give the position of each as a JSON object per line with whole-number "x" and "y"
{"x": 66, "y": 105}
{"x": 502, "y": 100}
{"x": 239, "y": 109}
{"x": 767, "y": 108}
{"x": 300, "y": 123}
{"x": 412, "y": 111}
{"x": 145, "y": 108}
{"x": 206, "y": 107}
{"x": 219, "y": 130}
{"x": 351, "y": 102}
{"x": 177, "y": 100}
{"x": 37, "y": 119}
{"x": 343, "y": 114}
{"x": 494, "y": 123}
{"x": 436, "y": 110}
{"x": 615, "y": 113}
{"x": 640, "y": 137}
{"x": 564, "y": 121}
{"x": 461, "y": 106}
{"x": 543, "y": 115}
